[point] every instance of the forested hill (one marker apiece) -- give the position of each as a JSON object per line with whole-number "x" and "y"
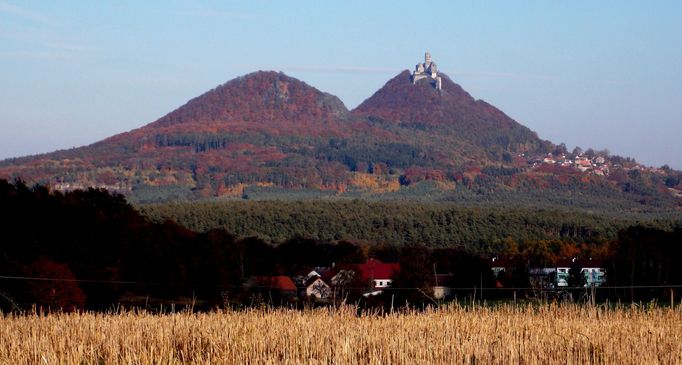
{"x": 474, "y": 228}
{"x": 269, "y": 98}
{"x": 267, "y": 135}
{"x": 450, "y": 108}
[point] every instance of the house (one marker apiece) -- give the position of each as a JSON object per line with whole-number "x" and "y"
{"x": 549, "y": 159}
{"x": 312, "y": 284}
{"x": 300, "y": 280}
{"x": 378, "y": 274}
{"x": 542, "y": 277}
{"x": 561, "y": 272}
{"x": 280, "y": 285}
{"x": 443, "y": 286}
{"x": 561, "y": 159}
{"x": 375, "y": 274}
{"x": 551, "y": 276}
{"x": 499, "y": 266}
{"x": 316, "y": 287}
{"x": 594, "y": 272}
{"x": 558, "y": 276}
{"x": 503, "y": 268}
{"x": 583, "y": 163}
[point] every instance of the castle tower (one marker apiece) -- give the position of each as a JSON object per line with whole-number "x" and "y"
{"x": 429, "y": 70}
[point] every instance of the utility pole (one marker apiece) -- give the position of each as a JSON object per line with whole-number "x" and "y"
{"x": 435, "y": 275}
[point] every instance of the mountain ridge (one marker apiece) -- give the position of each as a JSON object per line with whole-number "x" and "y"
{"x": 266, "y": 131}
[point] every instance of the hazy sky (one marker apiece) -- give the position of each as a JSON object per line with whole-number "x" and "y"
{"x": 601, "y": 74}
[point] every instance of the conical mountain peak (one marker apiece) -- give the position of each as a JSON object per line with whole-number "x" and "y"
{"x": 263, "y": 96}
{"x": 437, "y": 101}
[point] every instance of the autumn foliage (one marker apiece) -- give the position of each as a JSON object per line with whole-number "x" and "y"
{"x": 267, "y": 134}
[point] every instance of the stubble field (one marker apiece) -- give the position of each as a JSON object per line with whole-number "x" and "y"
{"x": 548, "y": 334}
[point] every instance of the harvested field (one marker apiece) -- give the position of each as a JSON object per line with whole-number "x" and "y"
{"x": 549, "y": 334}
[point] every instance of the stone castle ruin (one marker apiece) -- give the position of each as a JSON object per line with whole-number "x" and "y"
{"x": 427, "y": 70}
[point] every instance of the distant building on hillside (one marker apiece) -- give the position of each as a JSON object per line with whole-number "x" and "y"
{"x": 427, "y": 70}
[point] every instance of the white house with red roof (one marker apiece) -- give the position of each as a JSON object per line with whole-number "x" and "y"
{"x": 376, "y": 274}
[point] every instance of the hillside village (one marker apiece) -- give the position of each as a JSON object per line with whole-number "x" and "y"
{"x": 597, "y": 163}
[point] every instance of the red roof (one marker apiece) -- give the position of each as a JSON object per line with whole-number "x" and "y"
{"x": 283, "y": 283}
{"x": 374, "y": 269}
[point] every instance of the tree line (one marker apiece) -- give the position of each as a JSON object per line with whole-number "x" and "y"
{"x": 480, "y": 227}
{"x": 91, "y": 249}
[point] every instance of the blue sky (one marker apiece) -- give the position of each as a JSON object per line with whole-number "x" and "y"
{"x": 600, "y": 74}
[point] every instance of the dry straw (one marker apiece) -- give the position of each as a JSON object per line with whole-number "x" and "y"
{"x": 548, "y": 334}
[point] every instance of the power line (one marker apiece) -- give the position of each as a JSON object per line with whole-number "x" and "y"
{"x": 93, "y": 281}
{"x": 67, "y": 280}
